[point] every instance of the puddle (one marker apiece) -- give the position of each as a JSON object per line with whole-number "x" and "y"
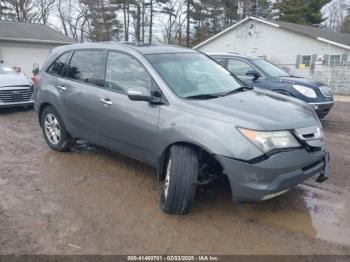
{"x": 312, "y": 211}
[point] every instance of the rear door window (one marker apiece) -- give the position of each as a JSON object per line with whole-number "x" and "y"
{"x": 56, "y": 68}
{"x": 88, "y": 66}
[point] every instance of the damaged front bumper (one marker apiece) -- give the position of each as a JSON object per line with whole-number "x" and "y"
{"x": 322, "y": 109}
{"x": 275, "y": 175}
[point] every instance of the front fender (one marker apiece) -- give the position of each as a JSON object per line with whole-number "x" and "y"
{"x": 214, "y": 136}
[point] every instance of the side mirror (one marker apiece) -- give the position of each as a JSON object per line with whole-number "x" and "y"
{"x": 137, "y": 94}
{"x": 254, "y": 74}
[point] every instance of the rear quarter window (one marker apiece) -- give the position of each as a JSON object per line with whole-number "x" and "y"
{"x": 56, "y": 68}
{"x": 88, "y": 66}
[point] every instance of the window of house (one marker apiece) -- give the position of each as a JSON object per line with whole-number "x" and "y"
{"x": 124, "y": 72}
{"x": 306, "y": 60}
{"x": 56, "y": 68}
{"x": 335, "y": 59}
{"x": 88, "y": 66}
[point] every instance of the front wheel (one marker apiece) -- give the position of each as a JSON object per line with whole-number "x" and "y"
{"x": 54, "y": 130}
{"x": 180, "y": 182}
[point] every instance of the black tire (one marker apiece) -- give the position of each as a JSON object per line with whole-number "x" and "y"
{"x": 182, "y": 164}
{"x": 65, "y": 141}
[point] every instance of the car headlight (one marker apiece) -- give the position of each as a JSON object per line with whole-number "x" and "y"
{"x": 268, "y": 141}
{"x": 306, "y": 91}
{"x": 326, "y": 91}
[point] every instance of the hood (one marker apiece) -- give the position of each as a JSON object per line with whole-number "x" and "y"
{"x": 8, "y": 80}
{"x": 260, "y": 109}
{"x": 293, "y": 80}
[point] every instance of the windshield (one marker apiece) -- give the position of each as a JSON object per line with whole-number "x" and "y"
{"x": 4, "y": 70}
{"x": 193, "y": 74}
{"x": 269, "y": 68}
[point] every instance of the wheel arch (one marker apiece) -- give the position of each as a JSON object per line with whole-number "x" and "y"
{"x": 41, "y": 110}
{"x": 162, "y": 158}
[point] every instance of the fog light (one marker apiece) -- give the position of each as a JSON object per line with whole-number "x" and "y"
{"x": 316, "y": 107}
{"x": 274, "y": 195}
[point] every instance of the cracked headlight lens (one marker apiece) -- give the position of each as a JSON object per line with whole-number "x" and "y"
{"x": 268, "y": 141}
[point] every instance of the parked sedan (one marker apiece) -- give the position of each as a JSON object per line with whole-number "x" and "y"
{"x": 16, "y": 89}
{"x": 261, "y": 73}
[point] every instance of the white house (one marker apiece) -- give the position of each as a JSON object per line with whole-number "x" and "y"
{"x": 301, "y": 50}
{"x": 26, "y": 45}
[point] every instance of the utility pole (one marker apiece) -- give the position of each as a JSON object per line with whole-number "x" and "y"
{"x": 151, "y": 22}
{"x": 188, "y": 18}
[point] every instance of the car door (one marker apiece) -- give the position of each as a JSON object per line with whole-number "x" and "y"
{"x": 127, "y": 126}
{"x": 79, "y": 92}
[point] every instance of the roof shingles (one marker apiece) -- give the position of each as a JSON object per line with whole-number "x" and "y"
{"x": 314, "y": 32}
{"x": 27, "y": 32}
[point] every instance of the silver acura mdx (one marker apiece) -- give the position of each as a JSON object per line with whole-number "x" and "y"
{"x": 182, "y": 113}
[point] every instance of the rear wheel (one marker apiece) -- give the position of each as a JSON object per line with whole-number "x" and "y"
{"x": 54, "y": 130}
{"x": 181, "y": 173}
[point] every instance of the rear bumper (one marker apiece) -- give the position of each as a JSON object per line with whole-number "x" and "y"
{"x": 254, "y": 182}
{"x": 17, "y": 104}
{"x": 322, "y": 109}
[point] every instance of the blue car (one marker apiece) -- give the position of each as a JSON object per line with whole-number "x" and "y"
{"x": 263, "y": 74}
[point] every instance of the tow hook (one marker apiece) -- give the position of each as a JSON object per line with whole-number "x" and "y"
{"x": 325, "y": 173}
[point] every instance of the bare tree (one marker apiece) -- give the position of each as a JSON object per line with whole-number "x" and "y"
{"x": 43, "y": 9}
{"x": 335, "y": 11}
{"x": 73, "y": 15}
{"x": 176, "y": 18}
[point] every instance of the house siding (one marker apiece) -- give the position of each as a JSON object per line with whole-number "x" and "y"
{"x": 283, "y": 47}
{"x": 24, "y": 55}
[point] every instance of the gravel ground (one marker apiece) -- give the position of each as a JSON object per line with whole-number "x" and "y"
{"x": 91, "y": 201}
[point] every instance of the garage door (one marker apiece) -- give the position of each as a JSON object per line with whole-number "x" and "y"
{"x": 24, "y": 57}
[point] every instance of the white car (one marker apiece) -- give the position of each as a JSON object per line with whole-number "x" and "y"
{"x": 15, "y": 88}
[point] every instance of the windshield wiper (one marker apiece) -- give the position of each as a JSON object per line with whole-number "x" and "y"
{"x": 237, "y": 90}
{"x": 203, "y": 96}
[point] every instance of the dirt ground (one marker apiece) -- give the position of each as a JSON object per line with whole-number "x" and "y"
{"x": 91, "y": 201}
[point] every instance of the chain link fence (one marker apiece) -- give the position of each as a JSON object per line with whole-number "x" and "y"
{"x": 336, "y": 76}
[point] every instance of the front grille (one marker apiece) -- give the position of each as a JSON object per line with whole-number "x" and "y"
{"x": 311, "y": 137}
{"x": 326, "y": 91}
{"x": 16, "y": 95}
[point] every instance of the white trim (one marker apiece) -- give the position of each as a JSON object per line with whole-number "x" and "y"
{"x": 232, "y": 27}
{"x": 268, "y": 23}
{"x": 35, "y": 41}
{"x": 264, "y": 21}
{"x": 332, "y": 43}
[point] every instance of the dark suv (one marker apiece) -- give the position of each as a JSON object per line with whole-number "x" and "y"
{"x": 261, "y": 73}
{"x": 184, "y": 114}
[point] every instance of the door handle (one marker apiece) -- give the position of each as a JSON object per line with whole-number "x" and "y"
{"x": 61, "y": 88}
{"x": 106, "y": 101}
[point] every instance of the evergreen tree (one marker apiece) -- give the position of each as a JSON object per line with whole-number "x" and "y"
{"x": 307, "y": 12}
